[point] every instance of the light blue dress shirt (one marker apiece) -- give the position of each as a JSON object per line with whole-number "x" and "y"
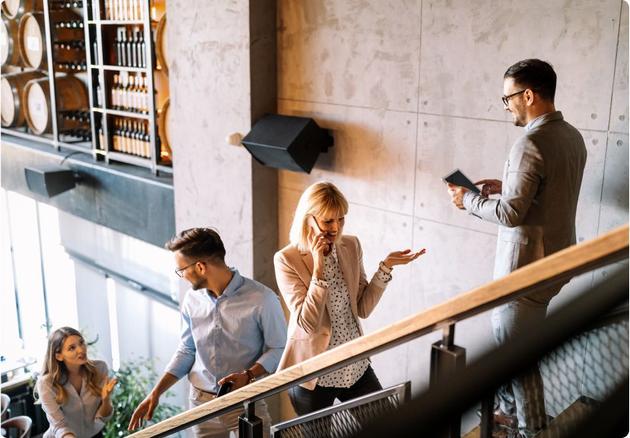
{"x": 228, "y": 334}
{"x": 77, "y": 416}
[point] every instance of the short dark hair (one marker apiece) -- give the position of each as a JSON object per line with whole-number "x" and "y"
{"x": 536, "y": 75}
{"x": 198, "y": 243}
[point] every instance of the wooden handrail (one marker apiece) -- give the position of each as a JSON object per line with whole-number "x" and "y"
{"x": 562, "y": 265}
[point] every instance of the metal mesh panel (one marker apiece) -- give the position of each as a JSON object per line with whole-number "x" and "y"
{"x": 342, "y": 422}
{"x": 591, "y": 364}
{"x": 578, "y": 375}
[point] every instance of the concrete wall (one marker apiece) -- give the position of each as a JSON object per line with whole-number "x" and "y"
{"x": 411, "y": 90}
{"x": 221, "y": 78}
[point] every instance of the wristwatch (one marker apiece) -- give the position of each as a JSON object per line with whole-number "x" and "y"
{"x": 250, "y": 375}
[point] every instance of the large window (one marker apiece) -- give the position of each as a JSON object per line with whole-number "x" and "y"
{"x": 53, "y": 274}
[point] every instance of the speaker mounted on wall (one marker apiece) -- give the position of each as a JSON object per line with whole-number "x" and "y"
{"x": 287, "y": 142}
{"x": 50, "y": 181}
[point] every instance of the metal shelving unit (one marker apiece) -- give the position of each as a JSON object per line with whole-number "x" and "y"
{"x": 103, "y": 116}
{"x": 97, "y": 34}
{"x": 53, "y": 138}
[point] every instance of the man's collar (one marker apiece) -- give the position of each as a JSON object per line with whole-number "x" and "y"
{"x": 233, "y": 286}
{"x": 542, "y": 119}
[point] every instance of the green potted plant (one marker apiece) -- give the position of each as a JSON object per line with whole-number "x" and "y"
{"x": 135, "y": 379}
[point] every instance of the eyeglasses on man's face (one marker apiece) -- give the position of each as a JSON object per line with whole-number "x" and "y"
{"x": 180, "y": 271}
{"x": 506, "y": 99}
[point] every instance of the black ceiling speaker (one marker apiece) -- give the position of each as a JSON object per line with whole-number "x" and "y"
{"x": 49, "y": 182}
{"x": 287, "y": 142}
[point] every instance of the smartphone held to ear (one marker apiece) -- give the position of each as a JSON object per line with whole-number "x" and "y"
{"x": 313, "y": 224}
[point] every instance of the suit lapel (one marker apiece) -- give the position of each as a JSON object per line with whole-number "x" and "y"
{"x": 344, "y": 258}
{"x": 307, "y": 259}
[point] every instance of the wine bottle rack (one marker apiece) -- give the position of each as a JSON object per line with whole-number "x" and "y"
{"x": 121, "y": 65}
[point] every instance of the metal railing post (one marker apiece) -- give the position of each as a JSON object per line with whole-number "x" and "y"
{"x": 447, "y": 359}
{"x": 249, "y": 425}
{"x": 486, "y": 425}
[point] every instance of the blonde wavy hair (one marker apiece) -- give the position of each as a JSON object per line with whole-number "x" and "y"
{"x": 320, "y": 199}
{"x": 58, "y": 370}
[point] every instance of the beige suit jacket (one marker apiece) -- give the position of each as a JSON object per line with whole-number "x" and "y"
{"x": 309, "y": 324}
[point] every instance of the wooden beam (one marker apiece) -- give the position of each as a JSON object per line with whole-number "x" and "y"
{"x": 564, "y": 264}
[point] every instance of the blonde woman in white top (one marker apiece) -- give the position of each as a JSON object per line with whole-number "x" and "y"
{"x": 74, "y": 391}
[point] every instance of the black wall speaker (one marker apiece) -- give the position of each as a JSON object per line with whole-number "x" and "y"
{"x": 287, "y": 142}
{"x": 49, "y": 182}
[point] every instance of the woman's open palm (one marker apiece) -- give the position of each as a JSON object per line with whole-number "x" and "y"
{"x": 108, "y": 387}
{"x": 402, "y": 257}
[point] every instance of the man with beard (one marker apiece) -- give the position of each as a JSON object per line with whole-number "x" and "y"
{"x": 233, "y": 331}
{"x": 536, "y": 216}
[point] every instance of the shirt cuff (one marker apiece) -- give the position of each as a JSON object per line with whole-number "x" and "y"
{"x": 467, "y": 200}
{"x": 383, "y": 276}
{"x": 64, "y": 431}
{"x": 269, "y": 359}
{"x": 180, "y": 365}
{"x": 383, "y": 267}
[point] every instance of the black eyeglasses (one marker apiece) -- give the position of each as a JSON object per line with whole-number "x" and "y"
{"x": 506, "y": 99}
{"x": 180, "y": 271}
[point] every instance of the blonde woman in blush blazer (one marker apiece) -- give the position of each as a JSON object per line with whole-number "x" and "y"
{"x": 321, "y": 277}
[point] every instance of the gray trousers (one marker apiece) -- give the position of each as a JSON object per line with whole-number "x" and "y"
{"x": 524, "y": 396}
{"x": 226, "y": 425}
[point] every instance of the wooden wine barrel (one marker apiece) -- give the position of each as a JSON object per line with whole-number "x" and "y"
{"x": 31, "y": 38}
{"x": 13, "y": 107}
{"x": 158, "y": 9}
{"x": 15, "y": 8}
{"x": 9, "y": 53}
{"x": 71, "y": 95}
{"x": 160, "y": 85}
{"x": 163, "y": 130}
{"x": 161, "y": 44}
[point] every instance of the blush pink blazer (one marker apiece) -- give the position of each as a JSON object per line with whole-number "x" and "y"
{"x": 309, "y": 324}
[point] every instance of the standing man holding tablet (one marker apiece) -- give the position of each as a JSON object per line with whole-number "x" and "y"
{"x": 536, "y": 216}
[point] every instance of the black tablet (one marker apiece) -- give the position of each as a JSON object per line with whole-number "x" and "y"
{"x": 459, "y": 179}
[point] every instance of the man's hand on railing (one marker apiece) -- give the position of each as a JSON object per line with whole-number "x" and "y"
{"x": 238, "y": 380}
{"x": 242, "y": 378}
{"x": 144, "y": 411}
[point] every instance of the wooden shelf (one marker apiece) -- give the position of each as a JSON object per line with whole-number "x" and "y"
{"x": 120, "y": 68}
{"x": 129, "y": 159}
{"x": 123, "y": 113}
{"x": 118, "y": 22}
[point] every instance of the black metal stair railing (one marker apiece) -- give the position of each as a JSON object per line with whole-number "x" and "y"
{"x": 344, "y": 419}
{"x": 582, "y": 349}
{"x": 447, "y": 361}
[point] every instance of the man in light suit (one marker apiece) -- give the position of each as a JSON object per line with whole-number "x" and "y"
{"x": 536, "y": 217}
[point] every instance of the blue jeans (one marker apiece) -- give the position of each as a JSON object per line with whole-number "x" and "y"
{"x": 524, "y": 396}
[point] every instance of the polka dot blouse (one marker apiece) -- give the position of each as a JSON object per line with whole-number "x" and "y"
{"x": 343, "y": 324}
